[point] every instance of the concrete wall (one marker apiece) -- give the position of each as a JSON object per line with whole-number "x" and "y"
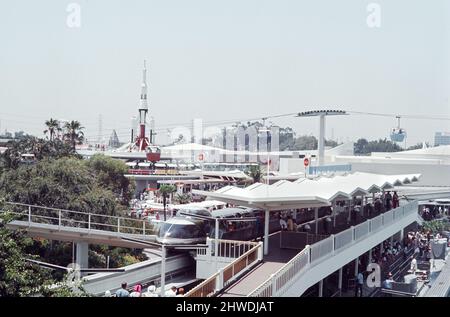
{"x": 207, "y": 266}
{"x": 291, "y": 165}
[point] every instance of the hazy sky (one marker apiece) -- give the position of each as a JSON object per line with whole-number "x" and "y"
{"x": 220, "y": 60}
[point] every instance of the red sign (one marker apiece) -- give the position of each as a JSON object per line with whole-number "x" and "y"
{"x": 200, "y": 157}
{"x": 306, "y": 161}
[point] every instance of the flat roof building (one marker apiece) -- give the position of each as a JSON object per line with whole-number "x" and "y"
{"x": 441, "y": 138}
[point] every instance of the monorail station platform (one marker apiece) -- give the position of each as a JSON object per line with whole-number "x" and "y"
{"x": 289, "y": 263}
{"x": 272, "y": 262}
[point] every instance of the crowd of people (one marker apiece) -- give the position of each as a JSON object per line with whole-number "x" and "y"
{"x": 388, "y": 253}
{"x": 287, "y": 223}
{"x": 150, "y": 292}
{"x": 386, "y": 201}
{"x": 434, "y": 212}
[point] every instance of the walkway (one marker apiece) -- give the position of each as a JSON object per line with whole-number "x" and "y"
{"x": 70, "y": 225}
{"x": 271, "y": 263}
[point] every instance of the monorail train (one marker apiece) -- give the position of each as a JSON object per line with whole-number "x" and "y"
{"x": 185, "y": 229}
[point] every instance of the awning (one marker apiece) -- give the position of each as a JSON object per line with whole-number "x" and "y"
{"x": 308, "y": 193}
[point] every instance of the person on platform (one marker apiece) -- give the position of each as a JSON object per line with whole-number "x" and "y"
{"x": 180, "y": 292}
{"x": 388, "y": 199}
{"x": 151, "y": 292}
{"x": 359, "y": 284}
{"x": 137, "y": 290}
{"x": 395, "y": 200}
{"x": 388, "y": 282}
{"x": 283, "y": 223}
{"x": 290, "y": 224}
{"x": 414, "y": 266}
{"x": 122, "y": 292}
{"x": 172, "y": 292}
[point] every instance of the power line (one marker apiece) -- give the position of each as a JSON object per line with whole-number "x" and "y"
{"x": 406, "y": 116}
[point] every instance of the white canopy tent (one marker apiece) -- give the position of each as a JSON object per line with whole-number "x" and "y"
{"x": 306, "y": 193}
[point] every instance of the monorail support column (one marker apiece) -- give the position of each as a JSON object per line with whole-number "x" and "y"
{"x": 82, "y": 255}
{"x": 334, "y": 213}
{"x": 401, "y": 236}
{"x": 370, "y": 256}
{"x": 316, "y": 219}
{"x": 321, "y": 141}
{"x": 356, "y": 266}
{"x": 350, "y": 206}
{"x": 266, "y": 232}
{"x": 162, "y": 291}
{"x": 216, "y": 243}
{"x": 340, "y": 280}
{"x": 321, "y": 288}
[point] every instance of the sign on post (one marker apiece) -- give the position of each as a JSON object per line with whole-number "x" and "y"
{"x": 306, "y": 162}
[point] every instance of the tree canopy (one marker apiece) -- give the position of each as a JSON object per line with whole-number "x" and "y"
{"x": 58, "y": 178}
{"x": 364, "y": 147}
{"x": 19, "y": 277}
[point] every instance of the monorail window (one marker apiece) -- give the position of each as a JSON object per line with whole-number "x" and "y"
{"x": 183, "y": 231}
{"x": 200, "y": 212}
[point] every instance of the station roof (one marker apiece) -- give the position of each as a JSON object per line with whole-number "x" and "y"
{"x": 305, "y": 193}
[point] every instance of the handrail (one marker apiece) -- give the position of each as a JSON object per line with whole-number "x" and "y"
{"x": 60, "y": 217}
{"x": 66, "y": 210}
{"x": 215, "y": 283}
{"x": 267, "y": 288}
{"x": 275, "y": 284}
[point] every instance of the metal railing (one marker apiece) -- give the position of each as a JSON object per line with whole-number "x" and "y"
{"x": 284, "y": 276}
{"x": 343, "y": 238}
{"x": 376, "y": 223}
{"x": 63, "y": 218}
{"x": 281, "y": 280}
{"x": 225, "y": 248}
{"x": 224, "y": 277}
{"x": 321, "y": 249}
{"x": 362, "y": 230}
{"x": 388, "y": 217}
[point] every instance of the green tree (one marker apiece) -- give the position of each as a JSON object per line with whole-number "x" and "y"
{"x": 331, "y": 143}
{"x": 52, "y": 127}
{"x": 305, "y": 143}
{"x": 286, "y": 138}
{"x": 255, "y": 173}
{"x": 417, "y": 146}
{"x": 363, "y": 147}
{"x": 65, "y": 183}
{"x": 74, "y": 134}
{"x": 436, "y": 226}
{"x": 183, "y": 198}
{"x": 19, "y": 277}
{"x": 41, "y": 149}
{"x": 360, "y": 146}
{"x": 166, "y": 190}
{"x": 110, "y": 174}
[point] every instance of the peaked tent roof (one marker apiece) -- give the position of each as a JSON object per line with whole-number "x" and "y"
{"x": 308, "y": 192}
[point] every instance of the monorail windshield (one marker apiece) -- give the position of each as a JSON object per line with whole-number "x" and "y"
{"x": 181, "y": 231}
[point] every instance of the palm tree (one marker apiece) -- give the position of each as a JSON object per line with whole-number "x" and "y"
{"x": 52, "y": 127}
{"x": 255, "y": 173}
{"x": 73, "y": 133}
{"x": 183, "y": 198}
{"x": 165, "y": 191}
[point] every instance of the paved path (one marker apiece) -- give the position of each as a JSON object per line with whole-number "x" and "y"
{"x": 271, "y": 263}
